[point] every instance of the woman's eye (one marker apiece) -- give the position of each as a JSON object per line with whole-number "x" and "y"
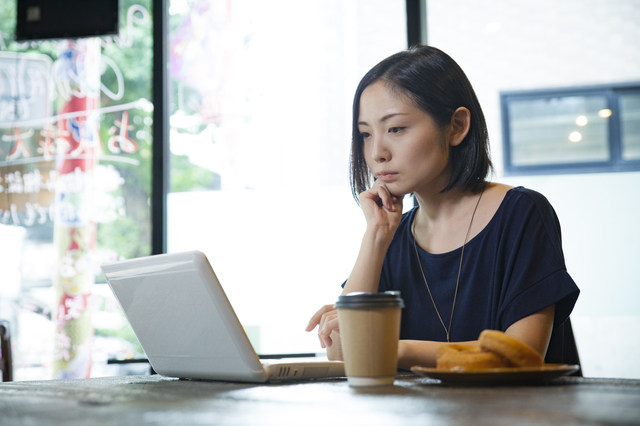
{"x": 364, "y": 135}
{"x": 396, "y": 129}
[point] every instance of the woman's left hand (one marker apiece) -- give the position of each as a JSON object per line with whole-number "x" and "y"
{"x": 327, "y": 320}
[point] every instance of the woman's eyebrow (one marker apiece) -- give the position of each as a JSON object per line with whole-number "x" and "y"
{"x": 383, "y": 119}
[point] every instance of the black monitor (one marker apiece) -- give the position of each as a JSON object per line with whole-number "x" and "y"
{"x": 55, "y": 19}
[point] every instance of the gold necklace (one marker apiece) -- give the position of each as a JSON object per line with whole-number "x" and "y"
{"x": 455, "y": 295}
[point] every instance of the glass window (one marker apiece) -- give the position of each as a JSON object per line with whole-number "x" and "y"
{"x": 260, "y": 137}
{"x": 630, "y": 126}
{"x": 559, "y": 130}
{"x": 573, "y": 130}
{"x": 75, "y": 182}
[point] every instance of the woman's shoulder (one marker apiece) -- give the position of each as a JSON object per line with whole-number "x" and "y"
{"x": 523, "y": 205}
{"x": 520, "y": 197}
{"x": 492, "y": 202}
{"x": 528, "y": 212}
{"x": 509, "y": 204}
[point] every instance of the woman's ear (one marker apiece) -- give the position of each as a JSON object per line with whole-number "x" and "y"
{"x": 460, "y": 125}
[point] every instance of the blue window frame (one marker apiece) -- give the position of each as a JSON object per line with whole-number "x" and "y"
{"x": 571, "y": 130}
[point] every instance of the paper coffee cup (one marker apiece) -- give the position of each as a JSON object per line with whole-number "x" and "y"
{"x": 369, "y": 333}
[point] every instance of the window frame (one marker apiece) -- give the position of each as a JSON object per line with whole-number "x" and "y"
{"x": 416, "y": 33}
{"x": 611, "y": 92}
{"x": 160, "y": 148}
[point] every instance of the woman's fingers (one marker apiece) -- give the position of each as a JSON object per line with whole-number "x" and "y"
{"x": 327, "y": 320}
{"x": 397, "y": 203}
{"x": 317, "y": 317}
{"x": 380, "y": 195}
{"x": 382, "y": 210}
{"x": 329, "y": 324}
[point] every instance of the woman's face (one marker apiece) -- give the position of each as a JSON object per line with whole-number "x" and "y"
{"x": 403, "y": 146}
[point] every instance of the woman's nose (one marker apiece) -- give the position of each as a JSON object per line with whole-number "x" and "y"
{"x": 379, "y": 152}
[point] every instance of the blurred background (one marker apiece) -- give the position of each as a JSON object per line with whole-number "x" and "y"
{"x": 258, "y": 134}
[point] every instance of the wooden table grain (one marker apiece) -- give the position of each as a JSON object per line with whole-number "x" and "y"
{"x": 412, "y": 400}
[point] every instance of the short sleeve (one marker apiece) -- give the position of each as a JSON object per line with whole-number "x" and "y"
{"x": 535, "y": 274}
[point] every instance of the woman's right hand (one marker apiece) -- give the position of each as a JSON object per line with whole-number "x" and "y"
{"x": 382, "y": 210}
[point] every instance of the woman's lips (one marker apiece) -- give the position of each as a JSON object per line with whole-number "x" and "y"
{"x": 387, "y": 176}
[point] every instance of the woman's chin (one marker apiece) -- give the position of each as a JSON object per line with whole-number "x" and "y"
{"x": 398, "y": 191}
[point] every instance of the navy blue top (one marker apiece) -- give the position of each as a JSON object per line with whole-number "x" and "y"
{"x": 513, "y": 268}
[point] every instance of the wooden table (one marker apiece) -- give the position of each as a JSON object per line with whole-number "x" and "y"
{"x": 157, "y": 400}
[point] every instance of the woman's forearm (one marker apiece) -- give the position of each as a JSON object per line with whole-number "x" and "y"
{"x": 416, "y": 352}
{"x": 534, "y": 330}
{"x": 419, "y": 352}
{"x": 365, "y": 275}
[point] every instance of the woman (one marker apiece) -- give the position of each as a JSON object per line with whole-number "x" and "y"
{"x": 472, "y": 255}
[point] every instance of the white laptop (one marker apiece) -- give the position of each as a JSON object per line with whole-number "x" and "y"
{"x": 187, "y": 327}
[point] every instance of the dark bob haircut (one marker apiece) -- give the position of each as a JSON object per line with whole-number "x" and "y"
{"x": 438, "y": 86}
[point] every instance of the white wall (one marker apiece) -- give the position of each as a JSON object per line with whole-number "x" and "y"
{"x": 519, "y": 45}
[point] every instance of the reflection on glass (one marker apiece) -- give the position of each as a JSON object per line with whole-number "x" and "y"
{"x": 260, "y": 137}
{"x": 604, "y": 113}
{"x": 75, "y": 178}
{"x": 575, "y": 137}
{"x": 581, "y": 120}
{"x": 546, "y": 131}
{"x": 630, "y": 126}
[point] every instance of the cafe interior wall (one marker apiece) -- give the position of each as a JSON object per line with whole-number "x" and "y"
{"x": 538, "y": 44}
